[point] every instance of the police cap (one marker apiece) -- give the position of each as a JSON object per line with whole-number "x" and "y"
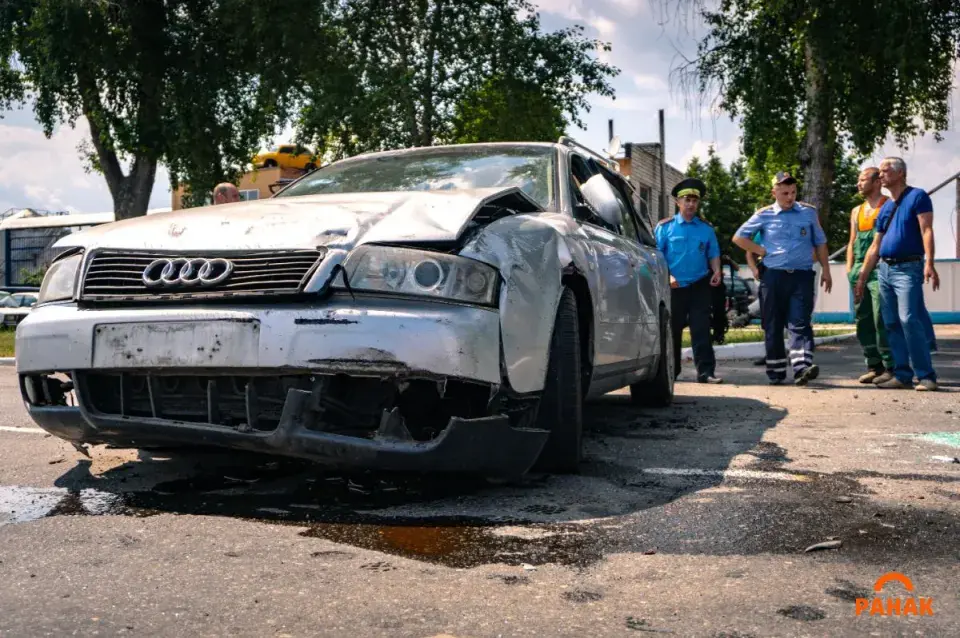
{"x": 784, "y": 177}
{"x": 689, "y": 186}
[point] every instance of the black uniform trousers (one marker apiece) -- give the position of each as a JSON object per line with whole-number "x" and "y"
{"x": 691, "y": 306}
{"x": 787, "y": 302}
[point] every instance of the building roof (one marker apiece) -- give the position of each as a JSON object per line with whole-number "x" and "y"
{"x": 16, "y": 222}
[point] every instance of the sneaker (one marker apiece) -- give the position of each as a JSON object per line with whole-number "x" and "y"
{"x": 709, "y": 378}
{"x": 870, "y": 376}
{"x": 927, "y": 385}
{"x": 776, "y": 381}
{"x": 892, "y": 384}
{"x": 806, "y": 375}
{"x": 883, "y": 378}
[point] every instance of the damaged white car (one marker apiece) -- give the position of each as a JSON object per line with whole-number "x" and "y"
{"x": 436, "y": 309}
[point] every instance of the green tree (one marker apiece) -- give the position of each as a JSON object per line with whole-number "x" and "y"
{"x": 416, "y": 73}
{"x": 504, "y": 110}
{"x": 726, "y": 203}
{"x": 194, "y": 84}
{"x": 845, "y": 74}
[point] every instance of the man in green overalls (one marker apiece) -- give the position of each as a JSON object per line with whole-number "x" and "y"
{"x": 870, "y": 331}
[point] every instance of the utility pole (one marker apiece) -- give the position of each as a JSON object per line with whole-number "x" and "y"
{"x": 956, "y": 226}
{"x": 663, "y": 170}
{"x": 610, "y": 130}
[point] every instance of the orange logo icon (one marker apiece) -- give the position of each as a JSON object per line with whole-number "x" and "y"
{"x": 893, "y": 606}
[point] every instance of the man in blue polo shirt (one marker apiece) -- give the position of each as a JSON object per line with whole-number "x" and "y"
{"x": 791, "y": 234}
{"x": 904, "y": 239}
{"x": 690, "y": 247}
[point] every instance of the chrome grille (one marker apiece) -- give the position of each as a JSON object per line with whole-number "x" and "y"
{"x": 118, "y": 275}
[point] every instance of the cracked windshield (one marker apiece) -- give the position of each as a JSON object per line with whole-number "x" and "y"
{"x": 479, "y": 319}
{"x": 530, "y": 169}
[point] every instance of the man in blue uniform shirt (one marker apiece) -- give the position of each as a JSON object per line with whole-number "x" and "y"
{"x": 693, "y": 256}
{"x": 791, "y": 234}
{"x": 903, "y": 242}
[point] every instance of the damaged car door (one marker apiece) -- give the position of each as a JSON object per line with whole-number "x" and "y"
{"x": 620, "y": 313}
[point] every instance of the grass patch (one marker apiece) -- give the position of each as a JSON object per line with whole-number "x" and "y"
{"x": 6, "y": 342}
{"x": 754, "y": 334}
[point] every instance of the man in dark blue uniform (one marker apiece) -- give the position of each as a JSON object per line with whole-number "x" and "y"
{"x": 693, "y": 256}
{"x": 791, "y": 234}
{"x": 904, "y": 246}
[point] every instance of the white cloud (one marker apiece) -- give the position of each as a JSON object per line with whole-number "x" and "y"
{"x": 604, "y": 26}
{"x": 649, "y": 82}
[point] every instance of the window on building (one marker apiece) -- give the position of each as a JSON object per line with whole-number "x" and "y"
{"x": 247, "y": 195}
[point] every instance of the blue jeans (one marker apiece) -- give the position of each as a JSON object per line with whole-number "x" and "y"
{"x": 901, "y": 302}
{"x": 928, "y": 326}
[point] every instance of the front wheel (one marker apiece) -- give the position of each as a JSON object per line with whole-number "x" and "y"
{"x": 658, "y": 391}
{"x": 561, "y": 404}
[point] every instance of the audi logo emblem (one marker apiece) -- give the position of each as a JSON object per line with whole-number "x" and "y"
{"x": 184, "y": 272}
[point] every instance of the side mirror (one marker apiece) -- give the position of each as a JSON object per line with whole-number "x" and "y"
{"x": 599, "y": 194}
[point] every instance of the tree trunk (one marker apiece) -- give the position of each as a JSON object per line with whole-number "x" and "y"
{"x": 427, "y": 90}
{"x": 817, "y": 151}
{"x": 131, "y": 193}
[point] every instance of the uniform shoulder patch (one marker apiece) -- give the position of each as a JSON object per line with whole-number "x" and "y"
{"x": 762, "y": 209}
{"x": 808, "y": 205}
{"x": 665, "y": 221}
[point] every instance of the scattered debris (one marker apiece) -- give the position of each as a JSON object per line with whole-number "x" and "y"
{"x": 835, "y": 544}
{"x": 650, "y": 552}
{"x": 843, "y": 499}
{"x": 528, "y": 567}
{"x": 57, "y": 460}
{"x": 946, "y": 459}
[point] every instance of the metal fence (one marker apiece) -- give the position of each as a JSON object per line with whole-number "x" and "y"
{"x": 26, "y": 255}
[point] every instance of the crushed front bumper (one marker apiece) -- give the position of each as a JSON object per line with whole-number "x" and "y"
{"x": 407, "y": 342}
{"x": 486, "y": 446}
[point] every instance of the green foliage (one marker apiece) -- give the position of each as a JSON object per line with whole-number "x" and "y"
{"x": 506, "y": 110}
{"x": 416, "y": 73}
{"x": 881, "y": 66}
{"x": 814, "y": 80}
{"x": 33, "y": 277}
{"x": 195, "y": 84}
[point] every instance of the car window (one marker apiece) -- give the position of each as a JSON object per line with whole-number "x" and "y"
{"x": 530, "y": 168}
{"x": 9, "y": 302}
{"x": 285, "y": 149}
{"x": 634, "y": 227}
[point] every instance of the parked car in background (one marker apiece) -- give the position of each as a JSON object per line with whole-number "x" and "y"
{"x": 443, "y": 309}
{"x": 288, "y": 156}
{"x": 14, "y": 307}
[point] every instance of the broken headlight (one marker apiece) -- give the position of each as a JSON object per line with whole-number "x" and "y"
{"x": 416, "y": 272}
{"x": 60, "y": 281}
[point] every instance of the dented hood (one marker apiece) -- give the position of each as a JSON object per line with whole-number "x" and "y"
{"x": 336, "y": 220}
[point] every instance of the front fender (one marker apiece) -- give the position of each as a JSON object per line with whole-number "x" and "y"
{"x": 531, "y": 253}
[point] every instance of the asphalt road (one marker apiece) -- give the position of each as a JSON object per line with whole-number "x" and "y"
{"x": 689, "y": 521}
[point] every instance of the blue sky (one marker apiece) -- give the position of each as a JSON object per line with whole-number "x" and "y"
{"x": 647, "y": 45}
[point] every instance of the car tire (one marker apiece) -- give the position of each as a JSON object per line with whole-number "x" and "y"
{"x": 310, "y": 167}
{"x": 658, "y": 391}
{"x": 561, "y": 404}
{"x": 270, "y": 163}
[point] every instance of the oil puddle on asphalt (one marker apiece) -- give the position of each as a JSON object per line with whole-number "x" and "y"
{"x": 466, "y": 546}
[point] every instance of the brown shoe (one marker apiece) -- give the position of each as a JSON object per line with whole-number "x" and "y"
{"x": 870, "y": 376}
{"x": 883, "y": 378}
{"x": 927, "y": 385}
{"x": 892, "y": 384}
